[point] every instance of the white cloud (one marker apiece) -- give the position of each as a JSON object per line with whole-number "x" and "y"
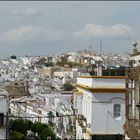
{"x": 37, "y": 33}
{"x": 94, "y": 30}
{"x": 26, "y": 33}
{"x": 26, "y": 12}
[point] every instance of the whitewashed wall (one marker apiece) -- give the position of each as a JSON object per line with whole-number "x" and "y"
{"x": 85, "y": 81}
{"x": 98, "y": 107}
{"x": 103, "y": 120}
{"x": 4, "y": 107}
{"x": 102, "y": 82}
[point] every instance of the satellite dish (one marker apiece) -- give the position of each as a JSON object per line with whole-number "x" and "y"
{"x": 134, "y": 43}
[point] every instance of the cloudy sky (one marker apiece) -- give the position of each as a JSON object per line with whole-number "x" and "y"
{"x": 39, "y": 28}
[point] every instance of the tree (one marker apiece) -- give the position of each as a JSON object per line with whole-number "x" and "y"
{"x": 13, "y": 57}
{"x": 16, "y": 136}
{"x": 40, "y": 127}
{"x": 20, "y": 127}
{"x": 51, "y": 116}
{"x": 68, "y": 87}
{"x": 47, "y": 132}
{"x": 27, "y": 125}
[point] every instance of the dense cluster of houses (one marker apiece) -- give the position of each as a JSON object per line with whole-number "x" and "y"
{"x": 33, "y": 88}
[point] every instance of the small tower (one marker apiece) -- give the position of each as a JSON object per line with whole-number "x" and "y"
{"x": 134, "y": 43}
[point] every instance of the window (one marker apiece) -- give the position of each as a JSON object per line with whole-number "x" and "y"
{"x": 117, "y": 110}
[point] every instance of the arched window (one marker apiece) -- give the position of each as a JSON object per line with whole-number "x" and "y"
{"x": 117, "y": 110}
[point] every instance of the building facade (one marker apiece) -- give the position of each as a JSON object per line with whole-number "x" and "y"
{"x": 132, "y": 124}
{"x": 4, "y": 108}
{"x": 100, "y": 106}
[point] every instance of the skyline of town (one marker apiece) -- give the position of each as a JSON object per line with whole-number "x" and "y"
{"x": 69, "y": 70}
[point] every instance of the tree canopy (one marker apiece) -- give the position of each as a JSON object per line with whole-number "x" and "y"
{"x": 68, "y": 87}
{"x": 13, "y": 57}
{"x": 20, "y": 127}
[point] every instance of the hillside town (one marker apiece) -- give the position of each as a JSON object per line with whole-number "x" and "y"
{"x": 78, "y": 95}
{"x": 69, "y": 70}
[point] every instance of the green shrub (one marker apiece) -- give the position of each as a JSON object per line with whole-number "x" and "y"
{"x": 19, "y": 128}
{"x": 21, "y": 125}
{"x": 47, "y": 132}
{"x": 16, "y": 136}
{"x": 38, "y": 127}
{"x": 13, "y": 57}
{"x": 68, "y": 87}
{"x": 18, "y": 125}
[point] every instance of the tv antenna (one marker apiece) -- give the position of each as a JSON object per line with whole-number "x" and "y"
{"x": 100, "y": 46}
{"x": 90, "y": 48}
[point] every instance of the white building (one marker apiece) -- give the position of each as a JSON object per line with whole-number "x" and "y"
{"x": 102, "y": 109}
{"x": 66, "y": 75}
{"x": 132, "y": 124}
{"x": 3, "y": 103}
{"x": 3, "y": 112}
